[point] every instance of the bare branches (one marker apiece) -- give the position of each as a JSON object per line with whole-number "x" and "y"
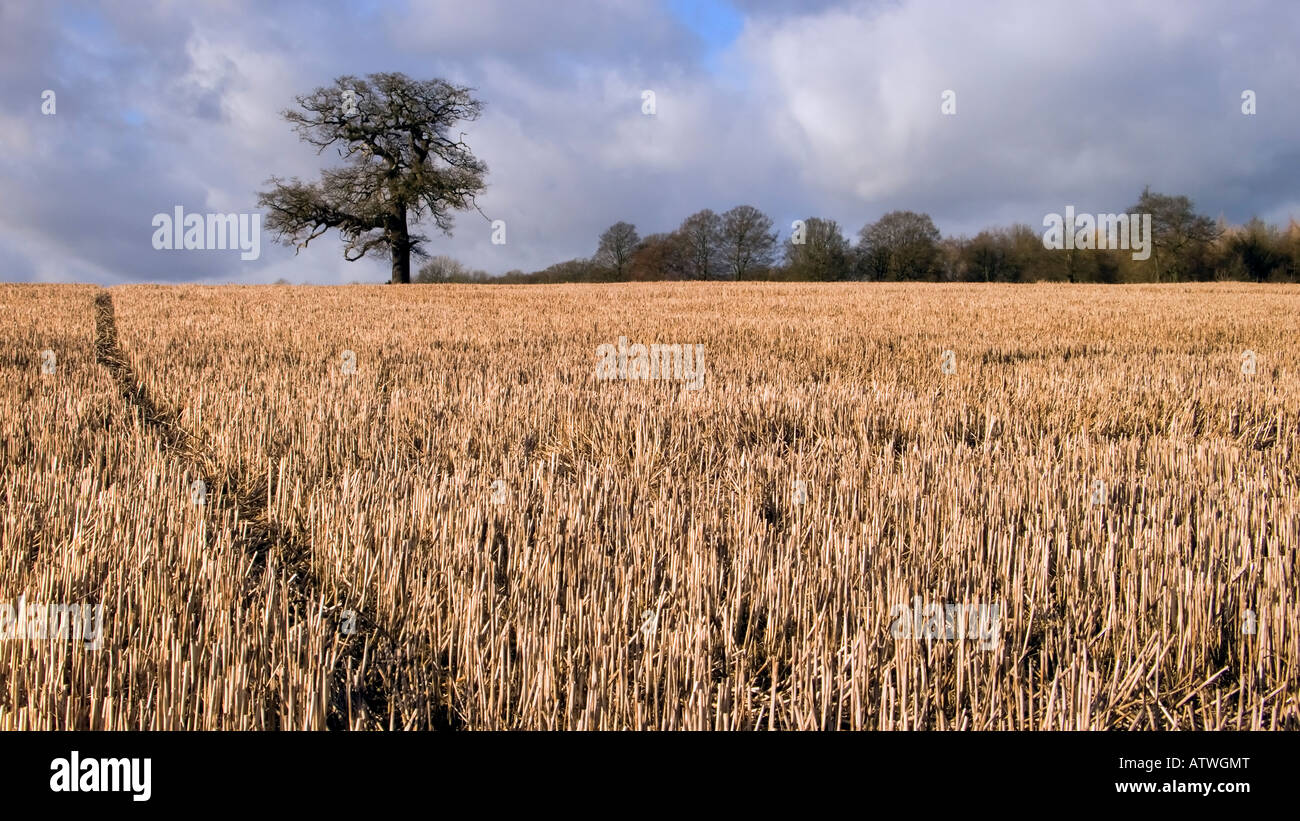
{"x": 402, "y": 165}
{"x": 298, "y": 212}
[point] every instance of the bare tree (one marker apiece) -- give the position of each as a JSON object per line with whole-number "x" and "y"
{"x": 402, "y": 166}
{"x": 822, "y": 253}
{"x": 748, "y": 240}
{"x": 442, "y": 269}
{"x": 900, "y": 245}
{"x": 1180, "y": 237}
{"x": 702, "y": 234}
{"x": 661, "y": 256}
{"x": 617, "y": 245}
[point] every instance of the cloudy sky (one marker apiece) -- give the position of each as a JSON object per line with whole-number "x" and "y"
{"x": 800, "y": 108}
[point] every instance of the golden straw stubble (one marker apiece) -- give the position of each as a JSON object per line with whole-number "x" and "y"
{"x": 889, "y": 506}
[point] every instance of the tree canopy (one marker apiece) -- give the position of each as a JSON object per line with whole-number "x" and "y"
{"x": 401, "y": 165}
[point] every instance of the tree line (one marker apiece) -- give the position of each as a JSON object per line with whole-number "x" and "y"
{"x": 403, "y": 166}
{"x": 742, "y": 244}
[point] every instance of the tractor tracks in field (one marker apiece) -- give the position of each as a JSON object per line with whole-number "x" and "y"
{"x": 387, "y": 671}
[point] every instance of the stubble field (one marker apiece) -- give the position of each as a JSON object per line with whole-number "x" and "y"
{"x": 417, "y": 507}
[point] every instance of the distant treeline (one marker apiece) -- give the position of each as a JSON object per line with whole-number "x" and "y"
{"x": 741, "y": 244}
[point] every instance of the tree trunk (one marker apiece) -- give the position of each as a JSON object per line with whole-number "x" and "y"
{"x": 400, "y": 244}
